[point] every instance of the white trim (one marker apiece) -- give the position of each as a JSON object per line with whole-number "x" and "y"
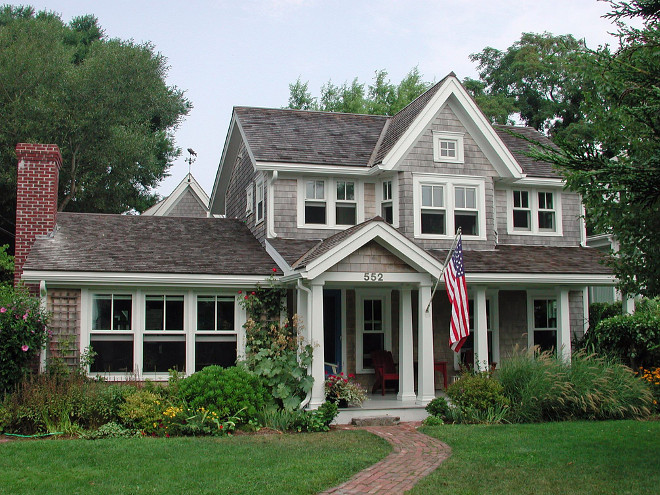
{"x": 452, "y": 137}
{"x": 394, "y": 179}
{"x": 278, "y": 259}
{"x": 357, "y": 278}
{"x": 166, "y": 205}
{"x": 385, "y": 295}
{"x": 534, "y": 212}
{"x": 389, "y": 237}
{"x": 540, "y": 279}
{"x": 539, "y": 182}
{"x": 450, "y": 183}
{"x": 62, "y": 278}
{"x": 316, "y": 169}
{"x": 259, "y": 186}
{"x": 249, "y": 199}
{"x": 473, "y": 119}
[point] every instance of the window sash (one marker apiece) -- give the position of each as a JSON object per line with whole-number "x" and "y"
{"x": 119, "y": 309}
{"x": 448, "y": 148}
{"x": 216, "y": 314}
{"x": 387, "y": 190}
{"x": 164, "y": 313}
{"x": 260, "y": 200}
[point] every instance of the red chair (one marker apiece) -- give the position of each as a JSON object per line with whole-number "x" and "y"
{"x": 383, "y": 364}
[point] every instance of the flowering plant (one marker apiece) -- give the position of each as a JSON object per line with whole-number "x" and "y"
{"x": 340, "y": 387}
{"x": 652, "y": 377}
{"x": 23, "y": 333}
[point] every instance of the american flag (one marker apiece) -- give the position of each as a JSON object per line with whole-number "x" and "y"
{"x": 457, "y": 293}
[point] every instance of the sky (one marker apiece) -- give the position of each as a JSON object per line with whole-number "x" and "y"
{"x": 246, "y": 53}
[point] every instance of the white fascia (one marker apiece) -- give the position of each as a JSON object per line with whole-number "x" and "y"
{"x": 539, "y": 182}
{"x": 279, "y": 260}
{"x": 78, "y": 279}
{"x": 389, "y": 238}
{"x": 314, "y": 169}
{"x": 540, "y": 279}
{"x": 472, "y": 118}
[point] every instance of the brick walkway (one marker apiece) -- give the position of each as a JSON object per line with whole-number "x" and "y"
{"x": 415, "y": 455}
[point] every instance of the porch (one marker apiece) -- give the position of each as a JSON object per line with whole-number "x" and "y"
{"x": 387, "y": 405}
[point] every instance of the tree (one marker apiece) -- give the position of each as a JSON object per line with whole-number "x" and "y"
{"x": 617, "y": 170}
{"x": 103, "y": 101}
{"x": 540, "y": 78}
{"x": 381, "y": 98}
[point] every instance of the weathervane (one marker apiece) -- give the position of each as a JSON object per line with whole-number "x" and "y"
{"x": 192, "y": 156}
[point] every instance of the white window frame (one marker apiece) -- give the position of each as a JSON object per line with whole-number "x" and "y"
{"x": 260, "y": 197}
{"x": 138, "y": 323}
{"x": 450, "y": 182}
{"x": 249, "y": 199}
{"x": 531, "y": 327}
{"x": 440, "y": 137}
{"x": 394, "y": 200}
{"x": 329, "y": 184}
{"x": 339, "y": 202}
{"x": 534, "y": 212}
{"x": 386, "y": 297}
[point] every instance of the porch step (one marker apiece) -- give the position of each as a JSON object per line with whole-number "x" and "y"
{"x": 376, "y": 421}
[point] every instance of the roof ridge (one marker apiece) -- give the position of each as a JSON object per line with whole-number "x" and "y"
{"x": 326, "y": 112}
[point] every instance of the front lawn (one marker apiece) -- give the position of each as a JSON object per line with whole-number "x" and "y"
{"x": 304, "y": 463}
{"x": 568, "y": 457}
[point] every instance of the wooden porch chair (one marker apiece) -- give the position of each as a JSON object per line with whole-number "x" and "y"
{"x": 383, "y": 364}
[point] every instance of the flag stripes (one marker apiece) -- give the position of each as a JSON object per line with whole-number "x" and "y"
{"x": 457, "y": 293}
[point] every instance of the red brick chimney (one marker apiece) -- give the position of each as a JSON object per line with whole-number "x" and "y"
{"x": 36, "y": 197}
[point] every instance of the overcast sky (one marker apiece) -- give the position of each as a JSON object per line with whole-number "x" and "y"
{"x": 225, "y": 53}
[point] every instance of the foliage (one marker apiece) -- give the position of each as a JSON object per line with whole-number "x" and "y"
{"x": 228, "y": 392}
{"x": 183, "y": 420}
{"x": 633, "y": 339}
{"x": 142, "y": 410}
{"x": 23, "y": 333}
{"x": 542, "y": 387}
{"x": 438, "y": 407}
{"x": 61, "y": 403}
{"x": 652, "y": 377}
{"x": 469, "y": 415}
{"x": 433, "y": 421}
{"x": 6, "y": 266}
{"x": 477, "y": 391}
{"x": 380, "y": 98}
{"x": 298, "y": 420}
{"x": 338, "y": 387}
{"x": 602, "y": 311}
{"x": 539, "y": 78}
{"x": 570, "y": 457}
{"x": 105, "y": 102}
{"x": 275, "y": 349}
{"x": 110, "y": 430}
{"x": 616, "y": 164}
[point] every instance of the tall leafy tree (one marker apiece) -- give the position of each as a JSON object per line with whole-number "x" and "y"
{"x": 617, "y": 170}
{"x": 380, "y": 98}
{"x": 104, "y": 101}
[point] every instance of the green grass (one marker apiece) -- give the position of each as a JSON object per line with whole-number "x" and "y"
{"x": 609, "y": 457}
{"x": 292, "y": 464}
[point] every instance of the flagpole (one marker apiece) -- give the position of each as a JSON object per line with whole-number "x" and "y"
{"x": 444, "y": 267}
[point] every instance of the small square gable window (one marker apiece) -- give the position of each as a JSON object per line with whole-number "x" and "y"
{"x": 448, "y": 147}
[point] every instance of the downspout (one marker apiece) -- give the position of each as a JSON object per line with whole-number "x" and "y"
{"x": 300, "y": 286}
{"x": 43, "y": 301}
{"x": 271, "y": 205}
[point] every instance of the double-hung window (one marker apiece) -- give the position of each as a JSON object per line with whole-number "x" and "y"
{"x": 433, "y": 213}
{"x": 315, "y": 202}
{"x": 444, "y": 203}
{"x": 466, "y": 213}
{"x": 387, "y": 205}
{"x": 164, "y": 345}
{"x": 260, "y": 201}
{"x": 249, "y": 199}
{"x": 216, "y": 334}
{"x": 544, "y": 332}
{"x": 373, "y": 327}
{"x": 345, "y": 205}
{"x": 112, "y": 334}
{"x": 534, "y": 212}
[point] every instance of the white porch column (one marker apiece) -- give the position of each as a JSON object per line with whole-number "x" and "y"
{"x": 480, "y": 330}
{"x": 627, "y": 304}
{"x": 406, "y": 367}
{"x": 563, "y": 326}
{"x": 426, "y": 383}
{"x": 316, "y": 339}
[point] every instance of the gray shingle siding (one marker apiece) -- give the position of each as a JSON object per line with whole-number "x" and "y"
{"x": 187, "y": 206}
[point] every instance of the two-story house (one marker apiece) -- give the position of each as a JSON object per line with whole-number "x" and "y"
{"x": 357, "y": 213}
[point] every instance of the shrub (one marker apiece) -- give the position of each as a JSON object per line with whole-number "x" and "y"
{"x": 320, "y": 419}
{"x": 477, "y": 391}
{"x": 438, "y": 407}
{"x": 339, "y": 387}
{"x": 110, "y": 430}
{"x": 183, "y": 420}
{"x": 433, "y": 421}
{"x": 142, "y": 410}
{"x": 230, "y": 392}
{"x": 299, "y": 420}
{"x": 633, "y": 339}
{"x": 23, "y": 333}
{"x": 541, "y": 387}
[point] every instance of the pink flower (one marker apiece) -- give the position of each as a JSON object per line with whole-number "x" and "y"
{"x": 246, "y": 297}
{"x": 25, "y": 348}
{"x": 3, "y": 310}
{"x": 240, "y": 292}
{"x": 254, "y": 293}
{"x": 25, "y": 316}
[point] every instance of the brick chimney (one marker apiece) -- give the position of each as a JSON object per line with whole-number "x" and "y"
{"x": 36, "y": 197}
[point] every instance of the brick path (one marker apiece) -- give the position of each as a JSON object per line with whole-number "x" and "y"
{"x": 415, "y": 455}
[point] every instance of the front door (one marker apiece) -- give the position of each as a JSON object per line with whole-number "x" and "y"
{"x": 332, "y": 330}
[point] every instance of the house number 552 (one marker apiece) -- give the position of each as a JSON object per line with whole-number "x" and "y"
{"x": 373, "y": 277}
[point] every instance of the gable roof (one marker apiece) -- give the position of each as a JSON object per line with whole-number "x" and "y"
{"x": 187, "y": 186}
{"x": 137, "y": 244}
{"x": 299, "y": 136}
{"x": 517, "y": 139}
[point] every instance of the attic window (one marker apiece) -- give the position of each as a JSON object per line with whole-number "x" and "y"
{"x": 448, "y": 147}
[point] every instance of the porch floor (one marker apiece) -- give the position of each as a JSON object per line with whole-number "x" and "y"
{"x": 385, "y": 405}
